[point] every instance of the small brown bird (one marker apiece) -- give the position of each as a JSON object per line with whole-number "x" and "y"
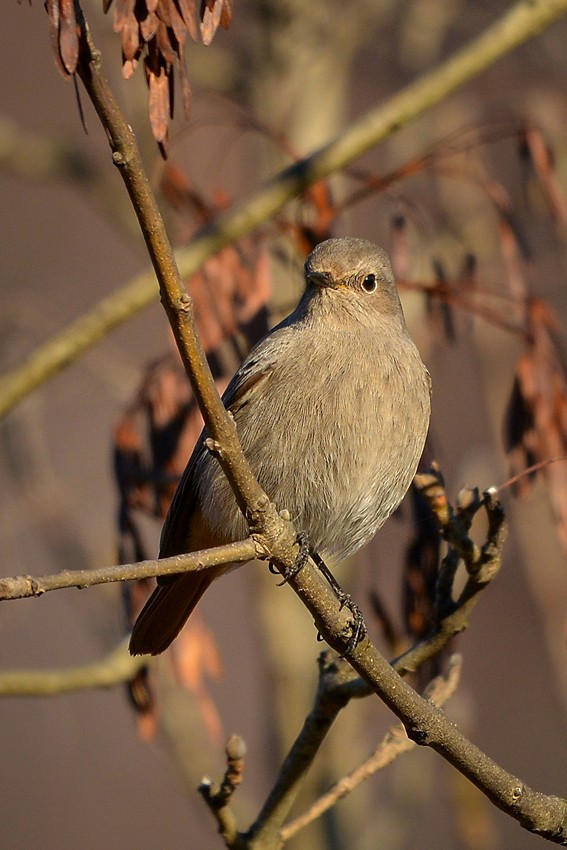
{"x": 332, "y": 410}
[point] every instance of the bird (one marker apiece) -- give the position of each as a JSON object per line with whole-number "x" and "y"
{"x": 332, "y": 410}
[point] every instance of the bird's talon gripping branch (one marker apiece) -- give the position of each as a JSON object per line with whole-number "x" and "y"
{"x": 358, "y": 625}
{"x": 300, "y": 561}
{"x": 345, "y": 601}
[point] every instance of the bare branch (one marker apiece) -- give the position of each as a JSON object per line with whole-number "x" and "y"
{"x": 117, "y": 667}
{"x": 520, "y": 23}
{"x": 333, "y": 694}
{"x": 21, "y": 587}
{"x": 394, "y": 744}
{"x": 482, "y": 563}
{"x": 218, "y": 797}
{"x": 271, "y": 528}
{"x": 426, "y": 725}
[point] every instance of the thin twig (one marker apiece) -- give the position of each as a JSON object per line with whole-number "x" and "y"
{"x": 482, "y": 563}
{"x": 218, "y": 797}
{"x": 21, "y": 587}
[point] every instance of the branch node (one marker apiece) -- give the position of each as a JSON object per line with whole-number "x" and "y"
{"x": 213, "y": 446}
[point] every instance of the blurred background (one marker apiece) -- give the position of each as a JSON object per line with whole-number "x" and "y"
{"x": 83, "y": 769}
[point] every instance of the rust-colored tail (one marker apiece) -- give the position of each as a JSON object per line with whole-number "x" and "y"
{"x": 164, "y": 614}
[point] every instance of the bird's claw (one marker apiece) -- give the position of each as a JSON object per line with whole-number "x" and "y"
{"x": 345, "y": 600}
{"x": 358, "y": 624}
{"x": 300, "y": 561}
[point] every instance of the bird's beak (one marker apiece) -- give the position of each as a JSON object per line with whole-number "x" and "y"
{"x": 320, "y": 278}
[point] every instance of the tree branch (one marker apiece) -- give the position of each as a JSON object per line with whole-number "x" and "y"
{"x": 223, "y": 441}
{"x": 521, "y": 22}
{"x": 337, "y": 682}
{"x": 21, "y": 587}
{"x": 394, "y": 744}
{"x": 481, "y": 563}
{"x": 117, "y": 667}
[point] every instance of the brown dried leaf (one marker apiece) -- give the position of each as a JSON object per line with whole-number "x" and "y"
{"x": 52, "y": 8}
{"x": 210, "y": 15}
{"x": 177, "y": 24}
{"x": 182, "y": 194}
{"x": 185, "y": 87}
{"x": 149, "y": 26}
{"x": 63, "y": 34}
{"x": 512, "y": 259}
{"x": 147, "y": 725}
{"x": 421, "y": 569}
{"x": 188, "y": 11}
{"x": 122, "y": 9}
{"x": 541, "y": 158}
{"x": 158, "y": 103}
{"x": 68, "y": 36}
{"x": 195, "y": 656}
{"x": 159, "y": 29}
{"x": 536, "y": 416}
{"x": 130, "y": 40}
{"x": 226, "y": 16}
{"x": 165, "y": 52}
{"x": 128, "y": 67}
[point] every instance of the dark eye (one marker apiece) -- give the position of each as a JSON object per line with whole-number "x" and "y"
{"x": 369, "y": 283}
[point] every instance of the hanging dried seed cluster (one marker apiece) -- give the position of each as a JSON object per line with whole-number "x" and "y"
{"x": 155, "y": 30}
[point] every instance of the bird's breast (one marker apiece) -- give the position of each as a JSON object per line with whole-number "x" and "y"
{"x": 335, "y": 439}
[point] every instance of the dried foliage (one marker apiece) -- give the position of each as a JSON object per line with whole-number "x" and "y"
{"x": 540, "y": 163}
{"x": 421, "y": 569}
{"x": 155, "y": 30}
{"x": 64, "y": 32}
{"x": 158, "y": 31}
{"x": 536, "y": 418}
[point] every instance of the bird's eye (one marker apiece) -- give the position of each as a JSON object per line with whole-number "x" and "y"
{"x": 369, "y": 284}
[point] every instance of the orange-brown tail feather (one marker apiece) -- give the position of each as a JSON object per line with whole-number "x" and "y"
{"x": 166, "y": 611}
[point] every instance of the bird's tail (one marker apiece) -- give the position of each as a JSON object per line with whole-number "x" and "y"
{"x": 166, "y": 611}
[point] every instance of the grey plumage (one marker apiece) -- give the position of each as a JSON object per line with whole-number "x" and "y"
{"x": 332, "y": 410}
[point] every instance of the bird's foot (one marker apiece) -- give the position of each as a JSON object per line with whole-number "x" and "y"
{"x": 358, "y": 624}
{"x": 300, "y": 561}
{"x": 345, "y": 601}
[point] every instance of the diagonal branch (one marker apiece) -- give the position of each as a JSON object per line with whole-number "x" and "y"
{"x": 521, "y": 22}
{"x": 394, "y": 744}
{"x": 177, "y": 303}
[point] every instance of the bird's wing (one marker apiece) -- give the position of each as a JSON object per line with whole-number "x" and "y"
{"x": 175, "y": 536}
